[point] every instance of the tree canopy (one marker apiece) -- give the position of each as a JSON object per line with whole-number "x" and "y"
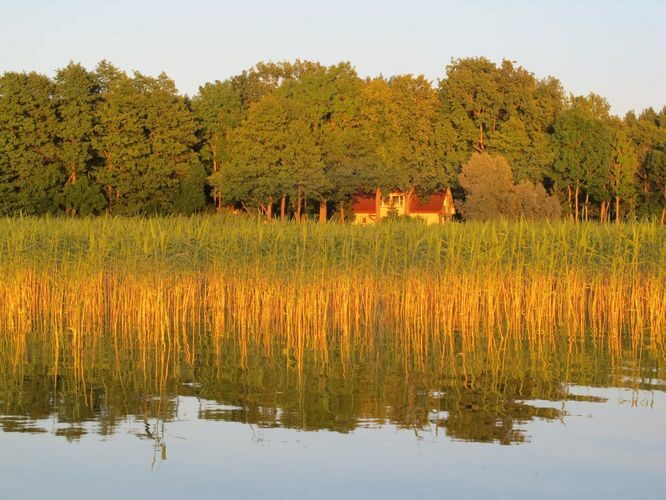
{"x": 300, "y": 139}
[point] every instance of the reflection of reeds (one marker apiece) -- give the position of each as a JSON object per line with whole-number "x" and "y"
{"x": 476, "y": 391}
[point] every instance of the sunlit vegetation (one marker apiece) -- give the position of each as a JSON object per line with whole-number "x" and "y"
{"x": 455, "y": 327}
{"x": 161, "y": 279}
{"x": 300, "y": 139}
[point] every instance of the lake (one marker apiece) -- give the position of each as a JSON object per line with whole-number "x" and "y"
{"x": 224, "y": 417}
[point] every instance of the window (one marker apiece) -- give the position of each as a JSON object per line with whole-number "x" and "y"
{"x": 397, "y": 200}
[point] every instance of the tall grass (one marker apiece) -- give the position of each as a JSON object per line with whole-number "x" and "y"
{"x": 160, "y": 280}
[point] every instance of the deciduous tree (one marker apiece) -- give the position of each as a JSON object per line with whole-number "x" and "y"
{"x": 491, "y": 192}
{"x": 30, "y": 173}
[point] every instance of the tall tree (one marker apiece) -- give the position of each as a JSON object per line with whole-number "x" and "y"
{"x": 146, "y": 137}
{"x": 329, "y": 100}
{"x": 403, "y": 117}
{"x": 76, "y": 95}
{"x": 120, "y": 140}
{"x": 582, "y": 143}
{"x": 218, "y": 109}
{"x": 273, "y": 157}
{"x": 622, "y": 172}
{"x": 472, "y": 97}
{"x": 648, "y": 134}
{"x": 417, "y": 163}
{"x": 30, "y": 174}
{"x": 501, "y": 110}
{"x": 177, "y": 177}
{"x": 655, "y": 172}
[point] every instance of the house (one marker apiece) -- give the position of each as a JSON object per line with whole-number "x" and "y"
{"x": 433, "y": 209}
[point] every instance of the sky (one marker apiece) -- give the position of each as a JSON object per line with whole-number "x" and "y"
{"x": 616, "y": 49}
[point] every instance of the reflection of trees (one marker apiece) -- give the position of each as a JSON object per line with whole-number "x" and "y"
{"x": 483, "y": 395}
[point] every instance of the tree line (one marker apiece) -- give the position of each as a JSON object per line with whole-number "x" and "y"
{"x": 300, "y": 139}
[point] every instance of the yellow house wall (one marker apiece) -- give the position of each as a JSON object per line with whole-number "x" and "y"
{"x": 385, "y": 209}
{"x": 370, "y": 218}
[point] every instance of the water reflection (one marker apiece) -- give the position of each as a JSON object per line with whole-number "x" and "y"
{"x": 482, "y": 393}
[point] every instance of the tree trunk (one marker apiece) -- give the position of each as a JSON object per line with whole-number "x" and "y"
{"x": 606, "y": 210}
{"x": 323, "y": 214}
{"x": 570, "y": 207}
{"x": 617, "y": 209}
{"x": 299, "y": 200}
{"x": 408, "y": 200}
{"x": 663, "y": 216}
{"x": 576, "y": 200}
{"x": 71, "y": 180}
{"x": 378, "y": 204}
{"x": 269, "y": 209}
{"x": 283, "y": 207}
{"x": 213, "y": 148}
{"x": 217, "y": 198}
{"x": 587, "y": 206}
{"x": 342, "y": 212}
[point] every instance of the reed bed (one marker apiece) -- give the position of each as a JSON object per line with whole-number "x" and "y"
{"x": 109, "y": 317}
{"x": 158, "y": 281}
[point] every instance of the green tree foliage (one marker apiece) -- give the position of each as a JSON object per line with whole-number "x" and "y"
{"x": 501, "y": 110}
{"x": 146, "y": 137}
{"x": 414, "y": 106}
{"x": 30, "y": 173}
{"x": 218, "y": 108}
{"x": 178, "y": 177}
{"x": 273, "y": 156}
{"x": 120, "y": 140}
{"x": 301, "y": 137}
{"x": 620, "y": 180}
{"x": 655, "y": 172}
{"x": 76, "y": 95}
{"x": 648, "y": 134}
{"x": 583, "y": 145}
{"x": 402, "y": 116}
{"x": 262, "y": 79}
{"x": 491, "y": 192}
{"x": 329, "y": 101}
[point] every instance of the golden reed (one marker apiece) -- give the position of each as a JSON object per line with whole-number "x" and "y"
{"x": 158, "y": 307}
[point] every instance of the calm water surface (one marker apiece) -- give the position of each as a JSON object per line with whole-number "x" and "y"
{"x": 223, "y": 419}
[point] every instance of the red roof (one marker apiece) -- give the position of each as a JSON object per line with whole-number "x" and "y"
{"x": 365, "y": 204}
{"x": 434, "y": 203}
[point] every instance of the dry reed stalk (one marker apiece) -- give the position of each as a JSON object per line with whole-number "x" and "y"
{"x": 171, "y": 309}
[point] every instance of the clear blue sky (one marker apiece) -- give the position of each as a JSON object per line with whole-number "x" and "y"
{"x": 614, "y": 48}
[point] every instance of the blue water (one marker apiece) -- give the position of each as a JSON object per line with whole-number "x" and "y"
{"x": 610, "y": 445}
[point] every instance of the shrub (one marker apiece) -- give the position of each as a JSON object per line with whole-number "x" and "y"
{"x": 491, "y": 193}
